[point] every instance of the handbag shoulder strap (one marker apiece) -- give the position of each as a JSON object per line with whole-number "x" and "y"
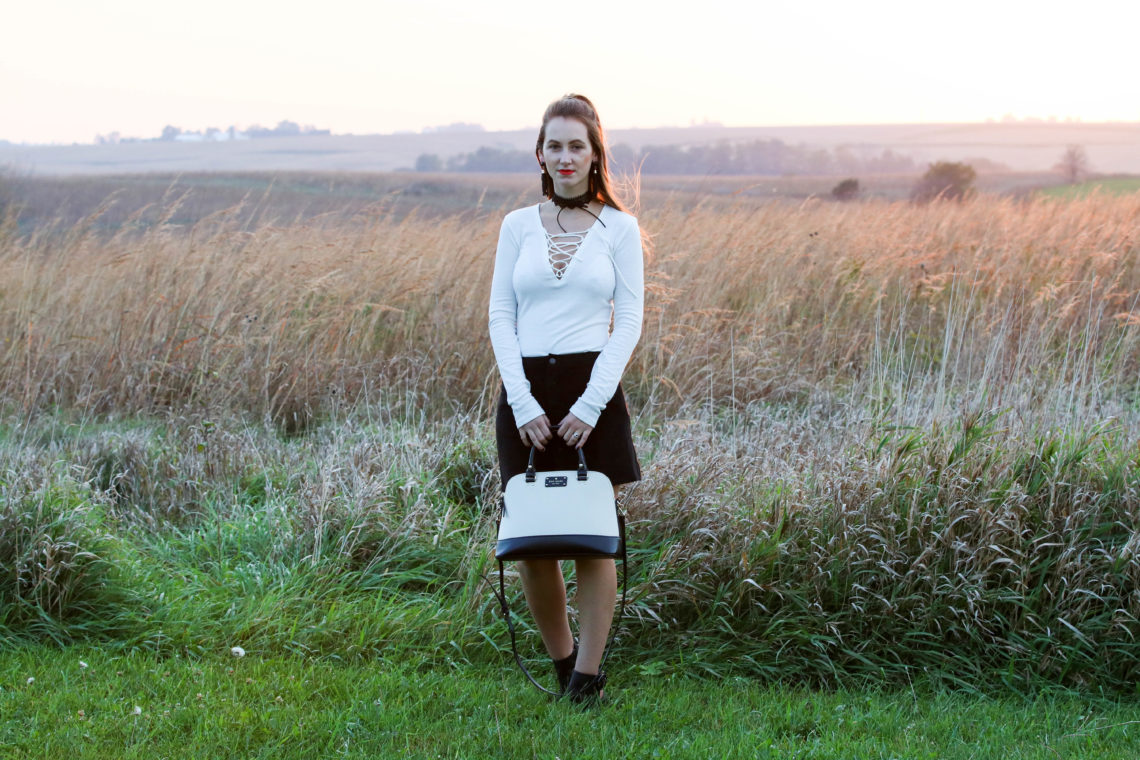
{"x": 502, "y": 595}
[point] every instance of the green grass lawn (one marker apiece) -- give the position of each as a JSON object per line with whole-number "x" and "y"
{"x": 1105, "y": 186}
{"x": 371, "y": 632}
{"x": 93, "y": 703}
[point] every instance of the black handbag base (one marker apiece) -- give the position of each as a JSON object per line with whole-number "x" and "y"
{"x": 557, "y": 547}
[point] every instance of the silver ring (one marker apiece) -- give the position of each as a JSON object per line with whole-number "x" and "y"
{"x": 576, "y": 435}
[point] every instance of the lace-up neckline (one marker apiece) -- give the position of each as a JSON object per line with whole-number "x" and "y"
{"x": 562, "y": 247}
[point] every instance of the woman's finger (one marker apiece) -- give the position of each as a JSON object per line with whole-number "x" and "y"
{"x": 582, "y": 439}
{"x": 576, "y": 437}
{"x": 536, "y": 432}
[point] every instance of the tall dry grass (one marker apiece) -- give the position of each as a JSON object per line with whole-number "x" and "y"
{"x": 1029, "y": 306}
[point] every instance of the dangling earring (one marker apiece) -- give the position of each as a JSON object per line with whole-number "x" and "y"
{"x": 547, "y": 183}
{"x": 593, "y": 184}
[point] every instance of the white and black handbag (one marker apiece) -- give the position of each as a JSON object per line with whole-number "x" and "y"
{"x": 559, "y": 514}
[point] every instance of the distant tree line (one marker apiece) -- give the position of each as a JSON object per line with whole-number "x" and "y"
{"x": 764, "y": 157}
{"x": 171, "y": 133}
{"x": 482, "y": 160}
{"x": 284, "y": 128}
{"x": 456, "y": 126}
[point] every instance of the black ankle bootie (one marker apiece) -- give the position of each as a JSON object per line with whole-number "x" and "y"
{"x": 564, "y": 667}
{"x": 586, "y": 689}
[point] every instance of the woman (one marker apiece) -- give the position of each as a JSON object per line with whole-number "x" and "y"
{"x": 563, "y": 268}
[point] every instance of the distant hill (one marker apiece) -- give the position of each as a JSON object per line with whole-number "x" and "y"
{"x": 1111, "y": 147}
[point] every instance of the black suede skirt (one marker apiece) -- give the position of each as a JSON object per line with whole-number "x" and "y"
{"x": 556, "y": 382}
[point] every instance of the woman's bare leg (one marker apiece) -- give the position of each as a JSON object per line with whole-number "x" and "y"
{"x": 597, "y": 592}
{"x": 545, "y": 591}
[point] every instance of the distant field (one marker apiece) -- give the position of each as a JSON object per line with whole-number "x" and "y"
{"x": 1106, "y": 186}
{"x": 114, "y": 202}
{"x": 1111, "y": 147}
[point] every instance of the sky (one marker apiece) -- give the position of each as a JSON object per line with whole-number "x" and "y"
{"x": 74, "y": 69}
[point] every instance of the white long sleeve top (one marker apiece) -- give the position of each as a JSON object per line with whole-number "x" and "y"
{"x": 533, "y": 312}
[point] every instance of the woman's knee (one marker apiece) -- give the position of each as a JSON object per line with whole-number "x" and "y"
{"x": 595, "y": 566}
{"x": 539, "y": 569}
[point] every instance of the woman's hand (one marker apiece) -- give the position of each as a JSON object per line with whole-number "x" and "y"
{"x": 536, "y": 432}
{"x": 574, "y": 431}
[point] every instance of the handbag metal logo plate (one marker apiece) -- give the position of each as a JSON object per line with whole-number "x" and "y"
{"x": 556, "y": 481}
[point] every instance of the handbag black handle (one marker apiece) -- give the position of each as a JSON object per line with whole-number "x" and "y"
{"x": 583, "y": 473}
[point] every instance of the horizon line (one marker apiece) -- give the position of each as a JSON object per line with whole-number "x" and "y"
{"x": 475, "y": 128}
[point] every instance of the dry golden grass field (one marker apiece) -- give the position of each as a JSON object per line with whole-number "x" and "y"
{"x": 1029, "y": 306}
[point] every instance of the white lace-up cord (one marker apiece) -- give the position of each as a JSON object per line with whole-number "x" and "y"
{"x": 560, "y": 250}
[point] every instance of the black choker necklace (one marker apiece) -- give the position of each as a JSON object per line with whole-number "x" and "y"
{"x": 582, "y": 201}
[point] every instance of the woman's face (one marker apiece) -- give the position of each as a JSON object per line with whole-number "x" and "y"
{"x": 568, "y": 156}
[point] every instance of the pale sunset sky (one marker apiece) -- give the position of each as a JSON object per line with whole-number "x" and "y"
{"x": 71, "y": 69}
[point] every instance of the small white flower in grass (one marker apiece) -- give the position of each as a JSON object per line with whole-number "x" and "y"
{"x": 136, "y": 711}
{"x": 237, "y": 651}
{"x": 83, "y": 665}
{"x": 31, "y": 681}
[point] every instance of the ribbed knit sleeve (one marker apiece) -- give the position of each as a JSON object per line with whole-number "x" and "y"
{"x": 502, "y": 323}
{"x": 629, "y": 299}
